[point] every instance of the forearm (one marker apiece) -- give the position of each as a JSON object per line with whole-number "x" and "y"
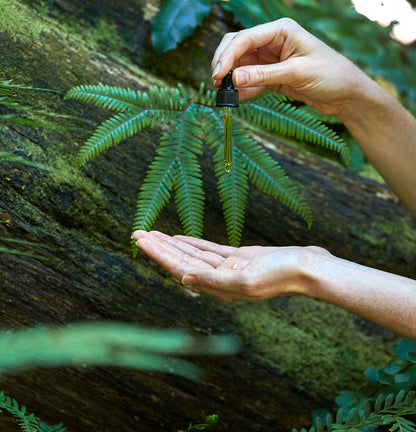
{"x": 384, "y": 298}
{"x": 386, "y": 132}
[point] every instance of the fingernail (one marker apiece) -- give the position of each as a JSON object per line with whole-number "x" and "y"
{"x": 241, "y": 78}
{"x": 188, "y": 280}
{"x": 132, "y": 237}
{"x": 216, "y": 69}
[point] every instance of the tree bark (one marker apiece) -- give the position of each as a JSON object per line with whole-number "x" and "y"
{"x": 82, "y": 268}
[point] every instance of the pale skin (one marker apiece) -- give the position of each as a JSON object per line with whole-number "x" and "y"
{"x": 284, "y": 57}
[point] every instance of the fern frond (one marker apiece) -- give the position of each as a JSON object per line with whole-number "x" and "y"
{"x": 272, "y": 113}
{"x": 43, "y": 427}
{"x": 155, "y": 190}
{"x": 207, "y": 97}
{"x": 233, "y": 190}
{"x": 212, "y": 127}
{"x": 118, "y": 128}
{"x": 189, "y": 194}
{"x": 27, "y": 422}
{"x": 127, "y": 100}
{"x": 175, "y": 166}
{"x": 268, "y": 175}
{"x": 115, "y": 98}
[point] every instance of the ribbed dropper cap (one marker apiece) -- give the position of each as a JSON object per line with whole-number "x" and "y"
{"x": 227, "y": 95}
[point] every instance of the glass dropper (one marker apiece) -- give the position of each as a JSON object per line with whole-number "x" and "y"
{"x": 227, "y": 97}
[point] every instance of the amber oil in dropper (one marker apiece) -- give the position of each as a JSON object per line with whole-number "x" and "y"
{"x": 227, "y": 97}
{"x": 228, "y": 139}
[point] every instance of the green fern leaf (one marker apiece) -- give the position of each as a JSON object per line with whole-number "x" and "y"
{"x": 27, "y": 422}
{"x": 233, "y": 190}
{"x": 117, "y": 129}
{"x": 272, "y": 113}
{"x": 176, "y": 20}
{"x": 175, "y": 166}
{"x": 115, "y": 98}
{"x": 212, "y": 127}
{"x": 155, "y": 190}
{"x": 127, "y": 100}
{"x": 189, "y": 194}
{"x": 43, "y": 427}
{"x": 268, "y": 175}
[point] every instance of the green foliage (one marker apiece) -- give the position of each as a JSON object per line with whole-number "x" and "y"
{"x": 387, "y": 411}
{"x": 398, "y": 374}
{"x": 195, "y": 120}
{"x": 176, "y": 20}
{"x": 334, "y": 21}
{"x": 27, "y": 422}
{"x": 108, "y": 344}
{"x": 30, "y": 423}
{"x": 386, "y": 401}
{"x": 209, "y": 421}
{"x": 8, "y": 101}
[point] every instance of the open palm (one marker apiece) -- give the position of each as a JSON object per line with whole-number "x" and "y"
{"x": 231, "y": 274}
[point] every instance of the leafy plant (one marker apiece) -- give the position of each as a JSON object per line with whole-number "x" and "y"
{"x": 387, "y": 411}
{"x": 386, "y": 400}
{"x": 209, "y": 421}
{"x": 102, "y": 343}
{"x": 9, "y": 102}
{"x": 27, "y": 422}
{"x": 194, "y": 119}
{"x": 108, "y": 343}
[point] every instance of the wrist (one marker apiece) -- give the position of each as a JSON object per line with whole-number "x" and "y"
{"x": 312, "y": 262}
{"x": 367, "y": 102}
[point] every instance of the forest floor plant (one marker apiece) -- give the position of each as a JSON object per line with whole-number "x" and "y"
{"x": 386, "y": 402}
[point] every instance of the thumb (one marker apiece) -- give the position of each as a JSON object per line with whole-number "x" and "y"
{"x": 262, "y": 75}
{"x": 215, "y": 279}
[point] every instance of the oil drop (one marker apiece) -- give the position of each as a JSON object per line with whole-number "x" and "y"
{"x": 227, "y": 97}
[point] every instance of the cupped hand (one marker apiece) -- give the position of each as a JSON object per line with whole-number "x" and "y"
{"x": 284, "y": 57}
{"x": 231, "y": 274}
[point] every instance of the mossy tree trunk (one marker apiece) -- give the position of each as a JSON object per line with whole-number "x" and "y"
{"x": 83, "y": 270}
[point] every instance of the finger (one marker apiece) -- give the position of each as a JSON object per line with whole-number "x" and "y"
{"x": 209, "y": 256}
{"x": 221, "y": 47}
{"x": 205, "y": 245}
{"x": 265, "y": 76}
{"x": 231, "y": 49}
{"x": 172, "y": 259}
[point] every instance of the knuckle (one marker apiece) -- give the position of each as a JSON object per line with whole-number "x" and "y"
{"x": 262, "y": 75}
{"x": 287, "y": 23}
{"x": 247, "y": 286}
{"x": 318, "y": 250}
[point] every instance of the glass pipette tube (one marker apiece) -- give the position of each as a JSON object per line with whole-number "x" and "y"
{"x": 228, "y": 143}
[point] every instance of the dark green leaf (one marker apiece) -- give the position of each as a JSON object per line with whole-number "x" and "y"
{"x": 384, "y": 377}
{"x": 372, "y": 375}
{"x": 404, "y": 347}
{"x": 176, "y": 20}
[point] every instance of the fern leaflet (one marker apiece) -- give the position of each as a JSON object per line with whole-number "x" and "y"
{"x": 267, "y": 174}
{"x": 27, "y": 422}
{"x": 233, "y": 190}
{"x": 273, "y": 113}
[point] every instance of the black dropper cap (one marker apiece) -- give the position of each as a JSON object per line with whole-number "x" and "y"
{"x": 227, "y": 95}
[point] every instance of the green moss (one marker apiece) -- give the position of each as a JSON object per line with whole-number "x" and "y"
{"x": 19, "y": 21}
{"x": 384, "y": 228}
{"x": 317, "y": 345}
